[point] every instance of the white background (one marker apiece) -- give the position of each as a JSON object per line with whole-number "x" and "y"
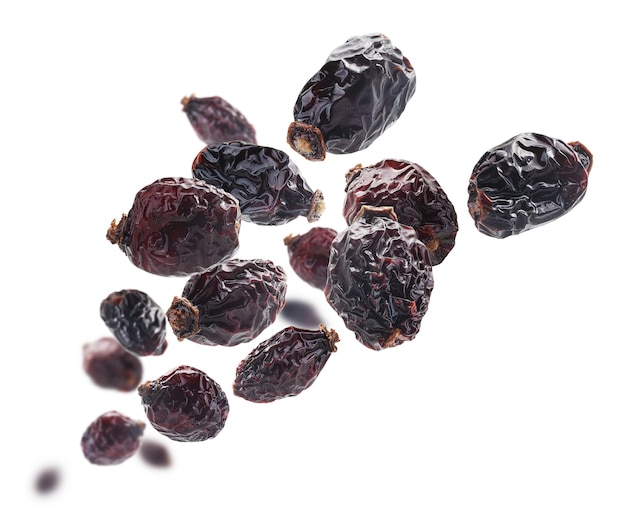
{"x": 508, "y": 408}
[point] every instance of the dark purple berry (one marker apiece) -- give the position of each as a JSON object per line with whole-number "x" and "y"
{"x": 301, "y": 313}
{"x": 136, "y": 321}
{"x": 308, "y": 254}
{"x": 109, "y": 365}
{"x": 111, "y": 439}
{"x": 47, "y": 480}
{"x": 185, "y": 404}
{"x": 154, "y": 453}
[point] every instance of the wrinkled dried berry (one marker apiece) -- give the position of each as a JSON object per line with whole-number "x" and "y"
{"x": 359, "y": 92}
{"x": 109, "y": 365}
{"x": 47, "y": 480}
{"x": 155, "y": 454}
{"x": 216, "y": 120}
{"x": 136, "y": 321}
{"x": 185, "y": 404}
{"x": 112, "y": 438}
{"x": 527, "y": 181}
{"x": 266, "y": 182}
{"x": 229, "y": 304}
{"x": 285, "y": 364}
{"x": 379, "y": 279}
{"x": 415, "y": 195}
{"x": 301, "y": 313}
{"x": 308, "y": 254}
{"x": 178, "y": 227}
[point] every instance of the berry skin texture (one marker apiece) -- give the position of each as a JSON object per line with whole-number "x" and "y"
{"x": 525, "y": 182}
{"x": 136, "y": 321}
{"x": 216, "y": 120}
{"x": 379, "y": 279}
{"x": 230, "y": 304}
{"x": 112, "y": 438}
{"x": 284, "y": 365}
{"x": 416, "y": 197}
{"x": 308, "y": 254}
{"x": 178, "y": 226}
{"x": 185, "y": 405}
{"x": 109, "y": 365}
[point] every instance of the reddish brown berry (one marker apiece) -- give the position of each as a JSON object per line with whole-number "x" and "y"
{"x": 178, "y": 227}
{"x": 185, "y": 404}
{"x": 109, "y": 365}
{"x": 136, "y": 321}
{"x": 285, "y": 364}
{"x": 308, "y": 254}
{"x": 216, "y": 120}
{"x": 229, "y": 304}
{"x": 111, "y": 439}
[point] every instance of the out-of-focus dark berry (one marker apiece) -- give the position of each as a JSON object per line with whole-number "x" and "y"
{"x": 109, "y": 365}
{"x": 178, "y": 227}
{"x": 229, "y": 304}
{"x": 416, "y": 197}
{"x": 301, "y": 313}
{"x": 47, "y": 480}
{"x": 216, "y": 120}
{"x": 112, "y": 438}
{"x": 379, "y": 278}
{"x": 154, "y": 453}
{"x": 285, "y": 364}
{"x": 308, "y": 254}
{"x": 266, "y": 182}
{"x": 185, "y": 404}
{"x": 136, "y": 321}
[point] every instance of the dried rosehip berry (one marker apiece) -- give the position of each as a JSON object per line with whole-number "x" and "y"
{"x": 379, "y": 278}
{"x": 285, "y": 364}
{"x": 527, "y": 181}
{"x": 359, "y": 92}
{"x": 308, "y": 254}
{"x": 301, "y": 313}
{"x": 415, "y": 195}
{"x": 136, "y": 321}
{"x": 111, "y": 438}
{"x": 229, "y": 304}
{"x": 178, "y": 226}
{"x": 266, "y": 182}
{"x": 216, "y": 120}
{"x": 47, "y": 480}
{"x": 155, "y": 454}
{"x": 109, "y": 365}
{"x": 185, "y": 404}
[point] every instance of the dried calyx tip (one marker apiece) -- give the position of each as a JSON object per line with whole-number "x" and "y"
{"x": 290, "y": 239}
{"x": 353, "y": 173}
{"x": 307, "y": 140}
{"x": 331, "y": 335}
{"x": 185, "y": 101}
{"x": 114, "y": 233}
{"x": 183, "y": 317}
{"x": 317, "y": 207}
{"x": 375, "y": 211}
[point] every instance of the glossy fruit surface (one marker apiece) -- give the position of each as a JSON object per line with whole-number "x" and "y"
{"x": 136, "y": 321}
{"x": 267, "y": 183}
{"x": 284, "y": 365}
{"x": 185, "y": 404}
{"x": 230, "y": 304}
{"x": 178, "y": 226}
{"x": 109, "y": 365}
{"x": 525, "y": 182}
{"x": 308, "y": 254}
{"x": 361, "y": 90}
{"x": 112, "y": 438}
{"x": 417, "y": 198}
{"x": 379, "y": 279}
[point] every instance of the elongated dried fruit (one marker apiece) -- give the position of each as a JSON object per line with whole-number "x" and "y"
{"x": 216, "y": 120}
{"x": 415, "y": 195}
{"x": 178, "y": 226}
{"x": 136, "y": 321}
{"x": 308, "y": 254}
{"x": 359, "y": 92}
{"x": 525, "y": 182}
{"x": 185, "y": 404}
{"x": 111, "y": 439}
{"x": 379, "y": 278}
{"x": 230, "y": 304}
{"x": 266, "y": 182}
{"x": 284, "y": 365}
{"x": 110, "y": 365}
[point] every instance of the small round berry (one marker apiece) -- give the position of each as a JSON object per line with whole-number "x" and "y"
{"x": 111, "y": 439}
